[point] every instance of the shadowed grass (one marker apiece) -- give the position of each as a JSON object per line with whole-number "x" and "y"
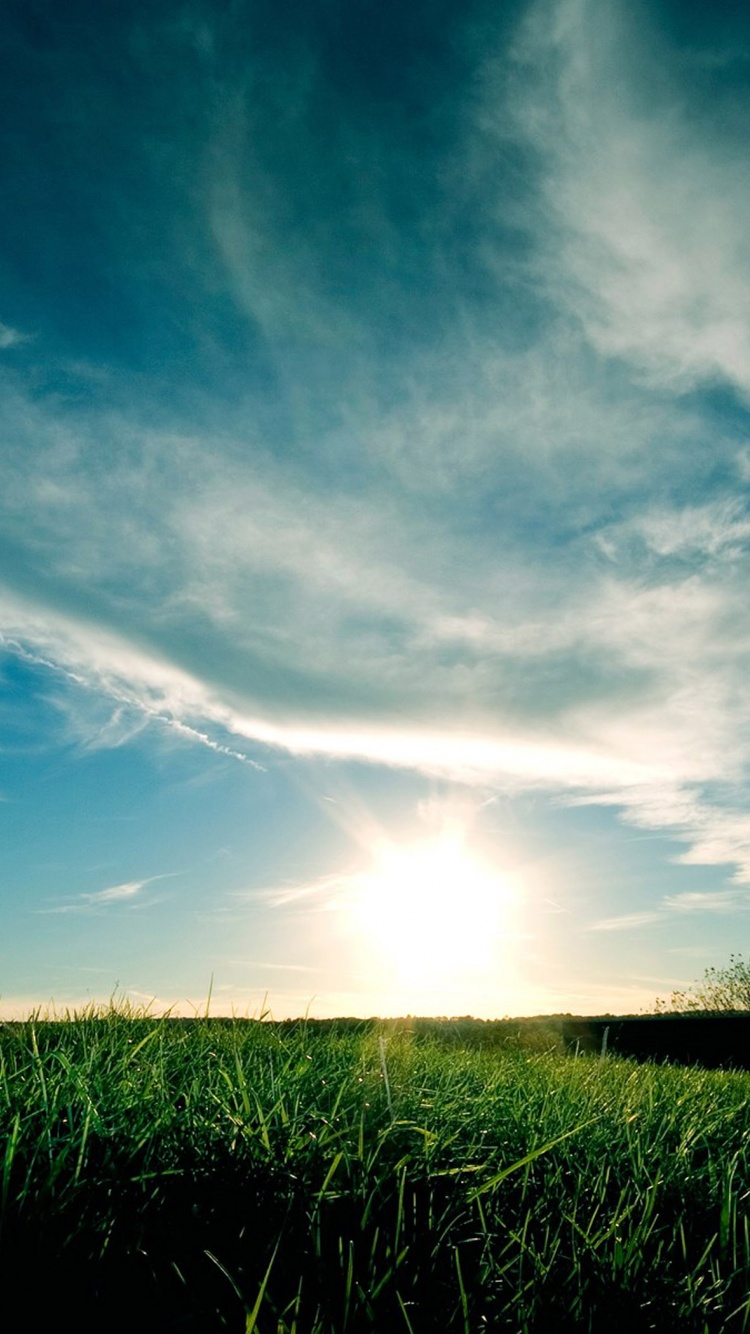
{"x": 211, "y": 1174}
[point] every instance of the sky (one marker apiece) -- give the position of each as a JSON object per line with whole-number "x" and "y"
{"x": 374, "y": 519}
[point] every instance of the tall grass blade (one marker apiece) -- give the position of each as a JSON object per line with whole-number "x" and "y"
{"x": 528, "y": 1158}
{"x": 252, "y": 1317}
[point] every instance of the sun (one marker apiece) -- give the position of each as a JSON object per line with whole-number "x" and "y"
{"x": 432, "y": 911}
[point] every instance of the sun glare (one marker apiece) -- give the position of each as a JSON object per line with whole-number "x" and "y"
{"x": 433, "y": 912}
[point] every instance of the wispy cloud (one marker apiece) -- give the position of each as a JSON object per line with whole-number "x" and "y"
{"x": 626, "y": 921}
{"x": 649, "y": 248}
{"x": 115, "y": 892}
{"x": 320, "y": 893}
{"x": 124, "y": 894}
{"x": 10, "y": 337}
{"x": 716, "y": 530}
{"x": 710, "y": 901}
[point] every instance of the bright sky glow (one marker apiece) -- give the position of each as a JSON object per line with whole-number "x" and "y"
{"x": 374, "y": 517}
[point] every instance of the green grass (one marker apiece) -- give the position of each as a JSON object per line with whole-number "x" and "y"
{"x": 217, "y": 1175}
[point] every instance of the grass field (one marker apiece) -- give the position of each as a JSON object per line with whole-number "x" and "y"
{"x": 230, "y": 1175}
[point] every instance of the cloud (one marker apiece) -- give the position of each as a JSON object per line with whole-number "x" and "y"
{"x": 11, "y": 337}
{"x": 323, "y": 889}
{"x": 646, "y": 194}
{"x": 720, "y": 901}
{"x": 718, "y": 530}
{"x": 125, "y": 893}
{"x": 642, "y": 746}
{"x": 625, "y": 922}
{"x": 710, "y": 818}
{"x": 115, "y": 892}
{"x": 166, "y": 696}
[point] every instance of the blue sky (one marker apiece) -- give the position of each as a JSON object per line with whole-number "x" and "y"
{"x": 374, "y": 524}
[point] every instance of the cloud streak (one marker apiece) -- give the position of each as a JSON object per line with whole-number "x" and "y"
{"x": 103, "y": 899}
{"x": 626, "y": 922}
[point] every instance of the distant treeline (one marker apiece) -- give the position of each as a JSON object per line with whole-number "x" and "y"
{"x": 543, "y": 1032}
{"x": 711, "y": 1040}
